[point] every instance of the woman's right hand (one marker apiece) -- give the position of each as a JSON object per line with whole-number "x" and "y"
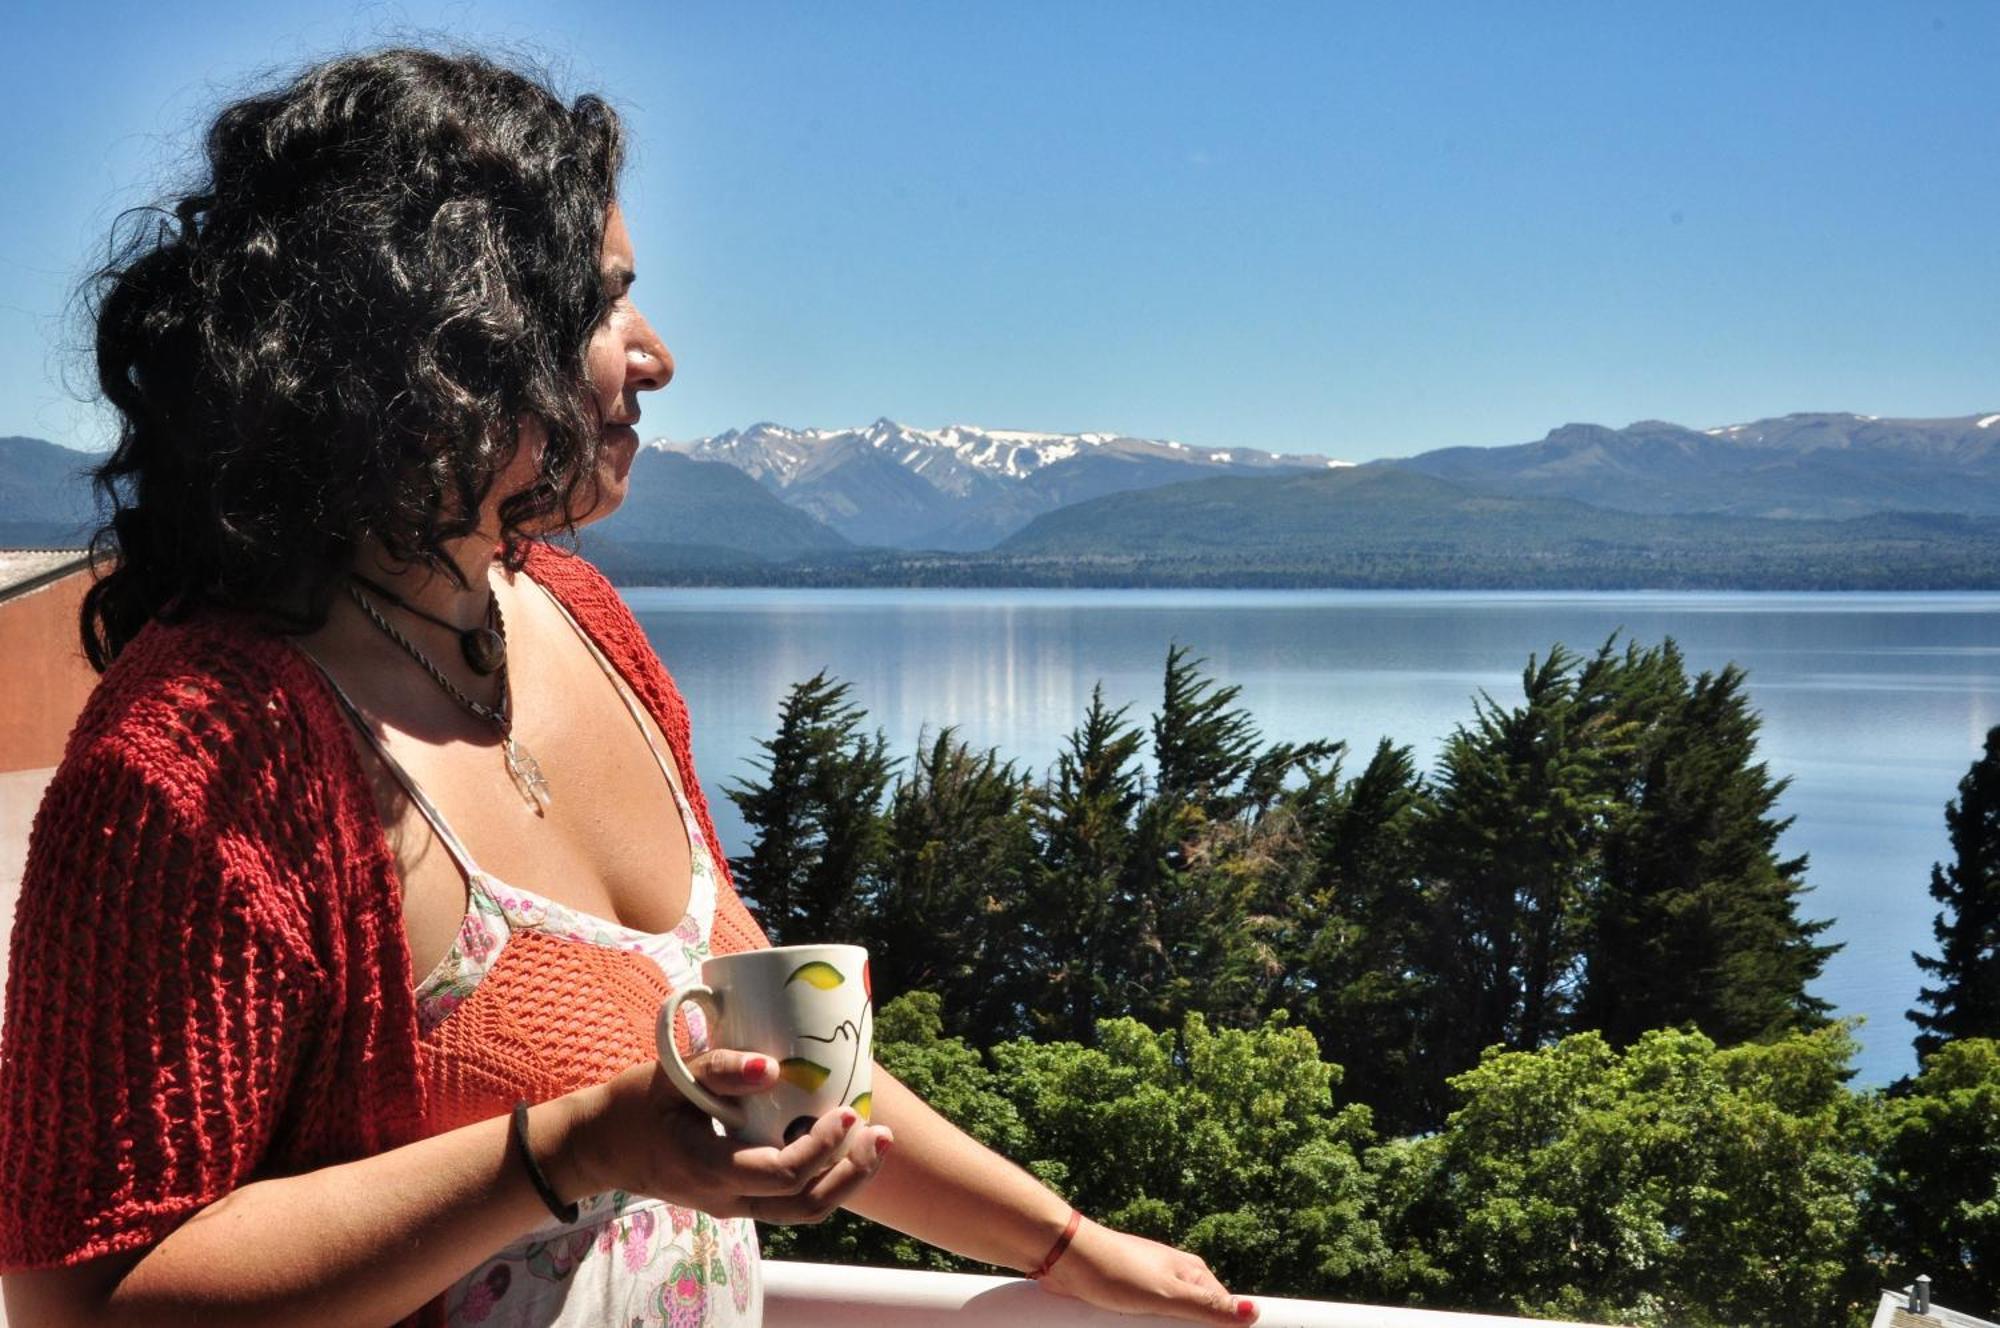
{"x": 637, "y": 1133}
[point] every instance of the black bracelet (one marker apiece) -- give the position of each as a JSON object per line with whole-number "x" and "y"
{"x": 564, "y": 1212}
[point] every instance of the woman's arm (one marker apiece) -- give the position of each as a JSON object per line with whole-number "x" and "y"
{"x": 948, "y": 1189}
{"x": 370, "y": 1241}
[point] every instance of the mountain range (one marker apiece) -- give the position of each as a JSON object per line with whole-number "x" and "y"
{"x": 45, "y": 497}
{"x": 680, "y": 512}
{"x": 1805, "y": 465}
{"x": 1808, "y": 500}
{"x": 960, "y": 487}
{"x": 1389, "y": 526}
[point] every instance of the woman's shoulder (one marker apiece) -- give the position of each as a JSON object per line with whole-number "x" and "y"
{"x": 200, "y": 777}
{"x": 194, "y": 706}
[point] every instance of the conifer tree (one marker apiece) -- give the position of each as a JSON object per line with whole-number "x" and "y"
{"x": 952, "y": 888}
{"x": 1202, "y": 744}
{"x": 1509, "y": 840}
{"x": 1205, "y": 863}
{"x": 1208, "y": 752}
{"x": 1965, "y": 1003}
{"x": 1077, "y": 928}
{"x": 815, "y": 815}
{"x": 1351, "y": 959}
{"x": 1695, "y": 917}
{"x": 1207, "y": 896}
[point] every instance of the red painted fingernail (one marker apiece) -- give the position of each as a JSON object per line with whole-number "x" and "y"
{"x": 754, "y": 1067}
{"x": 847, "y": 1118}
{"x": 882, "y": 1147}
{"x": 1244, "y": 1309}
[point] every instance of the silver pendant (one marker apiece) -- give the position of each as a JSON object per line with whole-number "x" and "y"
{"x": 527, "y": 774}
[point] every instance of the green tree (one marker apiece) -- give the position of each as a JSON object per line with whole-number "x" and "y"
{"x": 1934, "y": 1201}
{"x": 952, "y": 883}
{"x": 1076, "y": 927}
{"x": 1966, "y": 1000}
{"x": 1694, "y": 916}
{"x": 1353, "y": 935}
{"x": 1227, "y": 1142}
{"x": 1207, "y": 749}
{"x": 1672, "y": 1183}
{"x": 815, "y": 816}
{"x": 1202, "y": 744}
{"x": 1509, "y": 836}
{"x": 1208, "y": 865}
{"x": 1216, "y": 903}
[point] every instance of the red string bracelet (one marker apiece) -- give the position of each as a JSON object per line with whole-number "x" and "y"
{"x": 1056, "y": 1250}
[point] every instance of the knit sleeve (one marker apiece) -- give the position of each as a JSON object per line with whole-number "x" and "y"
{"x": 157, "y": 1000}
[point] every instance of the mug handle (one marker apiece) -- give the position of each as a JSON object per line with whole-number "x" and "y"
{"x": 710, "y": 1003}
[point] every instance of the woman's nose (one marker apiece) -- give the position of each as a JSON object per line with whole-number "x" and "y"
{"x": 649, "y": 365}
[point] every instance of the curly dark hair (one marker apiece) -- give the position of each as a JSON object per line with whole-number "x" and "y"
{"x": 386, "y": 267}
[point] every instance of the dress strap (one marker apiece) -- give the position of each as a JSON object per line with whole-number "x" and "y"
{"x": 439, "y": 825}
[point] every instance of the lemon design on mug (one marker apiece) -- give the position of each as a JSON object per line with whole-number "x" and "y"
{"x": 819, "y": 973}
{"x": 863, "y": 1106}
{"x": 802, "y": 1073}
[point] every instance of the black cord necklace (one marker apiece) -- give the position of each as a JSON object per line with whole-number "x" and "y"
{"x": 484, "y": 647}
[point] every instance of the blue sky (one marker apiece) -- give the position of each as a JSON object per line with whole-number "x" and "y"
{"x": 1359, "y": 230}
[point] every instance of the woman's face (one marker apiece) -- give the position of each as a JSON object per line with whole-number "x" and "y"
{"x": 625, "y": 358}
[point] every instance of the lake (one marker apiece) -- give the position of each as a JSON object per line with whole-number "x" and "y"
{"x": 1873, "y": 705}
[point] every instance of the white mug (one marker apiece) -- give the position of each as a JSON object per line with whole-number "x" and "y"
{"x": 810, "y": 1008}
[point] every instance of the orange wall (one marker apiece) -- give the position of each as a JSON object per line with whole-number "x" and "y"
{"x": 43, "y": 675}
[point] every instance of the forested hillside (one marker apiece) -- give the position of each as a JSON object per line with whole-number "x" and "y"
{"x": 1380, "y": 526}
{"x": 1809, "y": 464}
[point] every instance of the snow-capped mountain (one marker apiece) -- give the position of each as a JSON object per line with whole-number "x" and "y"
{"x": 960, "y": 487}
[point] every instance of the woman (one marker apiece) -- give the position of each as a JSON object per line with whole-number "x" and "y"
{"x": 382, "y": 819}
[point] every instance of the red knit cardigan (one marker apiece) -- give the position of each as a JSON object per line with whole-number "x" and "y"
{"x": 209, "y": 981}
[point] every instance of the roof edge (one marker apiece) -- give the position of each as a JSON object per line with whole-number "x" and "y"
{"x": 79, "y": 560}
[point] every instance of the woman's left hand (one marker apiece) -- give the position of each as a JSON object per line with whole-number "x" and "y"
{"x": 1133, "y": 1275}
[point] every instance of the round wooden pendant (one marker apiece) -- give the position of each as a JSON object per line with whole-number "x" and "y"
{"x": 485, "y": 650}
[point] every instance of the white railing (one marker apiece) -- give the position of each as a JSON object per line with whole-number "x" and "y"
{"x": 819, "y": 1295}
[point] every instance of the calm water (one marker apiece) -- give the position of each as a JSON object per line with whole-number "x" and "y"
{"x": 1873, "y": 705}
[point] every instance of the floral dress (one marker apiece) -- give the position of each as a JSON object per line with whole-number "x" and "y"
{"x": 626, "y": 1261}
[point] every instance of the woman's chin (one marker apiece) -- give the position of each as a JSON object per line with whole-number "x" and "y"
{"x": 615, "y": 454}
{"x": 605, "y": 497}
{"x": 621, "y": 448}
